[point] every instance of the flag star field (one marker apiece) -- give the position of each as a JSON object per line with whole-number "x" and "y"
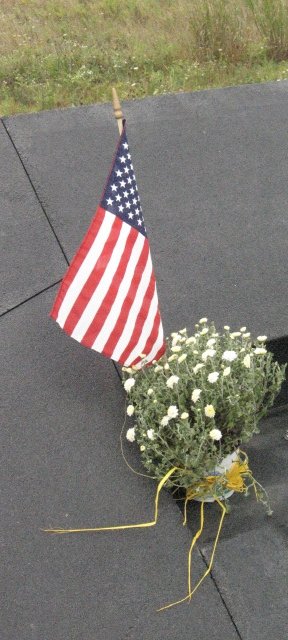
{"x": 121, "y": 192}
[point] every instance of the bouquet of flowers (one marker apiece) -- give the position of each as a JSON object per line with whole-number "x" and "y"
{"x": 198, "y": 404}
{"x": 193, "y": 409}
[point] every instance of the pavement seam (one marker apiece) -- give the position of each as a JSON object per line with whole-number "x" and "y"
{"x": 221, "y": 597}
{"x": 35, "y": 191}
{"x": 30, "y": 298}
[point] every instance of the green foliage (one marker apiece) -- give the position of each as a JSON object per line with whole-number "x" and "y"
{"x": 218, "y": 30}
{"x": 271, "y": 19}
{"x": 69, "y": 53}
{"x": 215, "y": 413}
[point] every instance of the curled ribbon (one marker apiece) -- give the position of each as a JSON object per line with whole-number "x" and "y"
{"x": 233, "y": 479}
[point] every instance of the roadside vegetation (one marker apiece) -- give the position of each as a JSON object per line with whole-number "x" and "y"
{"x": 58, "y": 53}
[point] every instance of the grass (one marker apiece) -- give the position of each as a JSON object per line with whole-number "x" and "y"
{"x": 63, "y": 53}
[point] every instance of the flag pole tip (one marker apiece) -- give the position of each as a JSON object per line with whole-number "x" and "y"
{"x": 117, "y": 109}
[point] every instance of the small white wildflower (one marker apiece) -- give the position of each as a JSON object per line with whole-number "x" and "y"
{"x": 215, "y": 434}
{"x": 262, "y": 338}
{"x": 172, "y": 381}
{"x": 246, "y": 335}
{"x": 184, "y": 415}
{"x": 130, "y": 435}
{"x": 150, "y": 391}
{"x": 172, "y": 411}
{"x": 213, "y": 377}
{"x": 150, "y": 434}
{"x": 176, "y": 339}
{"x": 260, "y": 351}
{"x": 164, "y": 421}
{"x": 243, "y": 329}
{"x": 166, "y": 366}
{"x": 142, "y": 448}
{"x": 215, "y": 335}
{"x": 128, "y": 384}
{"x": 204, "y": 331}
{"x": 182, "y": 357}
{"x": 209, "y": 353}
{"x": 211, "y": 342}
{"x": 247, "y": 361}
{"x": 183, "y": 330}
{"x": 203, "y": 321}
{"x": 195, "y": 352}
{"x": 197, "y": 367}
{"x": 229, "y": 355}
{"x": 235, "y": 334}
{"x": 209, "y": 411}
{"x": 191, "y": 340}
{"x": 242, "y": 350}
{"x": 173, "y": 334}
{"x": 196, "y": 395}
{"x": 158, "y": 368}
{"x": 176, "y": 348}
{"x": 173, "y": 357}
{"x": 227, "y": 371}
{"x": 130, "y": 410}
{"x": 226, "y": 327}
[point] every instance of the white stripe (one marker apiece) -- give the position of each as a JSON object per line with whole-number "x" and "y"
{"x": 157, "y": 345}
{"x": 146, "y": 330}
{"x": 134, "y": 310}
{"x": 103, "y": 286}
{"x": 85, "y": 269}
{"x": 114, "y": 313}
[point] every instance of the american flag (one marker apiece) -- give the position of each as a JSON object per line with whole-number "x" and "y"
{"x": 108, "y": 299}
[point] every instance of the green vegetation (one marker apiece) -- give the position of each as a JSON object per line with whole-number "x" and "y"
{"x": 61, "y": 53}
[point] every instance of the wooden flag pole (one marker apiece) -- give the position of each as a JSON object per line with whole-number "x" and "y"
{"x": 117, "y": 110}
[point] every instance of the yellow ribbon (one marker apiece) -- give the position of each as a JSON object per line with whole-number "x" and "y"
{"x": 233, "y": 479}
{"x": 123, "y": 526}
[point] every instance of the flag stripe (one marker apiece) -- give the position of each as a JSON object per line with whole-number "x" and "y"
{"x": 100, "y": 292}
{"x": 150, "y": 342}
{"x": 123, "y": 318}
{"x": 106, "y": 317}
{"x": 82, "y": 256}
{"x": 158, "y": 343}
{"x": 86, "y": 266}
{"x": 89, "y": 286}
{"x": 134, "y": 323}
{"x": 162, "y": 349}
{"x": 147, "y": 325}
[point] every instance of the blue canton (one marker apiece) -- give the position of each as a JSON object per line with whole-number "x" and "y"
{"x": 121, "y": 193}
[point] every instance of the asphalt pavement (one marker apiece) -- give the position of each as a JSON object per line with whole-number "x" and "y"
{"x": 211, "y": 169}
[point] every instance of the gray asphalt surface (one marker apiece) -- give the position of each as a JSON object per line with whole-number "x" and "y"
{"x": 211, "y": 169}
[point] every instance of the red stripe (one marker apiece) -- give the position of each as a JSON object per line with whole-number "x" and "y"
{"x": 140, "y": 320}
{"x": 95, "y": 276}
{"x": 121, "y": 322}
{"x": 157, "y": 356}
{"x": 161, "y": 352}
{"x": 77, "y": 260}
{"x": 152, "y": 338}
{"x": 103, "y": 311}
